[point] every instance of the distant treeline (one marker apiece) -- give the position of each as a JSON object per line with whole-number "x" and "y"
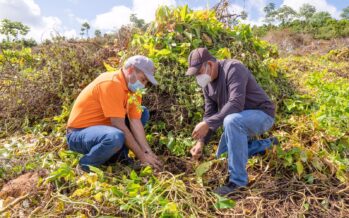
{"x": 320, "y": 24}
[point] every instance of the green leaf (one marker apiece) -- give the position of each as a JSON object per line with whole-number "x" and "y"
{"x": 163, "y": 52}
{"x": 133, "y": 176}
{"x": 224, "y": 203}
{"x": 98, "y": 171}
{"x": 184, "y": 12}
{"x": 300, "y": 168}
{"x": 340, "y": 174}
{"x": 64, "y": 171}
{"x": 116, "y": 192}
{"x": 203, "y": 168}
{"x": 147, "y": 171}
{"x": 171, "y": 141}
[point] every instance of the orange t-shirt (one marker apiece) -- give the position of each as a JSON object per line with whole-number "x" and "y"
{"x": 105, "y": 97}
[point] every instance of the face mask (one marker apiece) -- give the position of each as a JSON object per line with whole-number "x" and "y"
{"x": 133, "y": 87}
{"x": 203, "y": 79}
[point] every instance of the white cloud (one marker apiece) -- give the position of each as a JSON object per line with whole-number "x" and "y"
{"x": 29, "y": 13}
{"x": 114, "y": 19}
{"x": 70, "y": 33}
{"x": 320, "y": 5}
{"x": 258, "y": 22}
{"x": 146, "y": 10}
{"x": 48, "y": 27}
{"x": 20, "y": 10}
{"x": 120, "y": 15}
{"x": 254, "y": 10}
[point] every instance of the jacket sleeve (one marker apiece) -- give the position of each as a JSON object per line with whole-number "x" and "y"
{"x": 210, "y": 109}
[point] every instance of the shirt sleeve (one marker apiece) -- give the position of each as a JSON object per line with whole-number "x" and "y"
{"x": 111, "y": 98}
{"x": 134, "y": 109}
{"x": 236, "y": 81}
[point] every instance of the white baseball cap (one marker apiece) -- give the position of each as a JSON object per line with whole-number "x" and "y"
{"x": 145, "y": 65}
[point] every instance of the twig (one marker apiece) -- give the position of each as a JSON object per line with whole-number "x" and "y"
{"x": 16, "y": 201}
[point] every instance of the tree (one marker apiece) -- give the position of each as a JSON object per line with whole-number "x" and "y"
{"x": 306, "y": 11}
{"x": 345, "y": 13}
{"x": 98, "y": 33}
{"x": 84, "y": 29}
{"x": 139, "y": 23}
{"x": 13, "y": 29}
{"x": 320, "y": 18}
{"x": 243, "y": 15}
{"x": 285, "y": 14}
{"x": 270, "y": 13}
{"x": 226, "y": 15}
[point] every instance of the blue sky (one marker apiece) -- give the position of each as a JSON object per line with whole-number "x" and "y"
{"x": 64, "y": 17}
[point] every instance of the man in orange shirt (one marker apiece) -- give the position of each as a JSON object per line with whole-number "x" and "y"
{"x": 104, "y": 123}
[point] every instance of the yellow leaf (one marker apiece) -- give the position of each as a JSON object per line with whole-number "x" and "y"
{"x": 131, "y": 154}
{"x": 92, "y": 178}
{"x": 98, "y": 197}
{"x": 81, "y": 192}
{"x": 108, "y": 67}
{"x": 59, "y": 207}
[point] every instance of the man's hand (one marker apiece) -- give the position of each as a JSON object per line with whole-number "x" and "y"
{"x": 196, "y": 151}
{"x": 152, "y": 160}
{"x": 200, "y": 130}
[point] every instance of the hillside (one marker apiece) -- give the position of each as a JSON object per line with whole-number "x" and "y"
{"x": 306, "y": 175}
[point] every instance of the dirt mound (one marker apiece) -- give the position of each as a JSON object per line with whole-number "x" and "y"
{"x": 290, "y": 42}
{"x": 24, "y": 184}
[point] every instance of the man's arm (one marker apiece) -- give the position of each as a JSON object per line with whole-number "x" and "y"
{"x": 132, "y": 144}
{"x": 138, "y": 132}
{"x": 237, "y": 81}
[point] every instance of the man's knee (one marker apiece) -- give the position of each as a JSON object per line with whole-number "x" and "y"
{"x": 115, "y": 138}
{"x": 234, "y": 119}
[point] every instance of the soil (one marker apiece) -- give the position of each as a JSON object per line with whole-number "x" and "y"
{"x": 24, "y": 184}
{"x": 176, "y": 165}
{"x": 302, "y": 44}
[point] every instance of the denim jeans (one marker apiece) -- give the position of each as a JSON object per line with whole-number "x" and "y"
{"x": 238, "y": 128}
{"x": 101, "y": 143}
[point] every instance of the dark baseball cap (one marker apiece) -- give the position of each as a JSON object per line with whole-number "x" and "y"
{"x": 196, "y": 58}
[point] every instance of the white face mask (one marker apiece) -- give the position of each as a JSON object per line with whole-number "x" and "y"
{"x": 203, "y": 79}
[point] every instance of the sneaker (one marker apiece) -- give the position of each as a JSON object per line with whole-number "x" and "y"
{"x": 226, "y": 189}
{"x": 85, "y": 168}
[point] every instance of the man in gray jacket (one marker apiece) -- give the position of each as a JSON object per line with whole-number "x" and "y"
{"x": 235, "y": 100}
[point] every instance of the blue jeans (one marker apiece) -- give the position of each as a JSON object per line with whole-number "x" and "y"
{"x": 100, "y": 143}
{"x": 238, "y": 128}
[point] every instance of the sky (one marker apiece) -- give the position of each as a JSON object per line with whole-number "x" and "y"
{"x": 47, "y": 18}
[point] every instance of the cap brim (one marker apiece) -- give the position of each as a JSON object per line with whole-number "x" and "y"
{"x": 151, "y": 78}
{"x": 192, "y": 71}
